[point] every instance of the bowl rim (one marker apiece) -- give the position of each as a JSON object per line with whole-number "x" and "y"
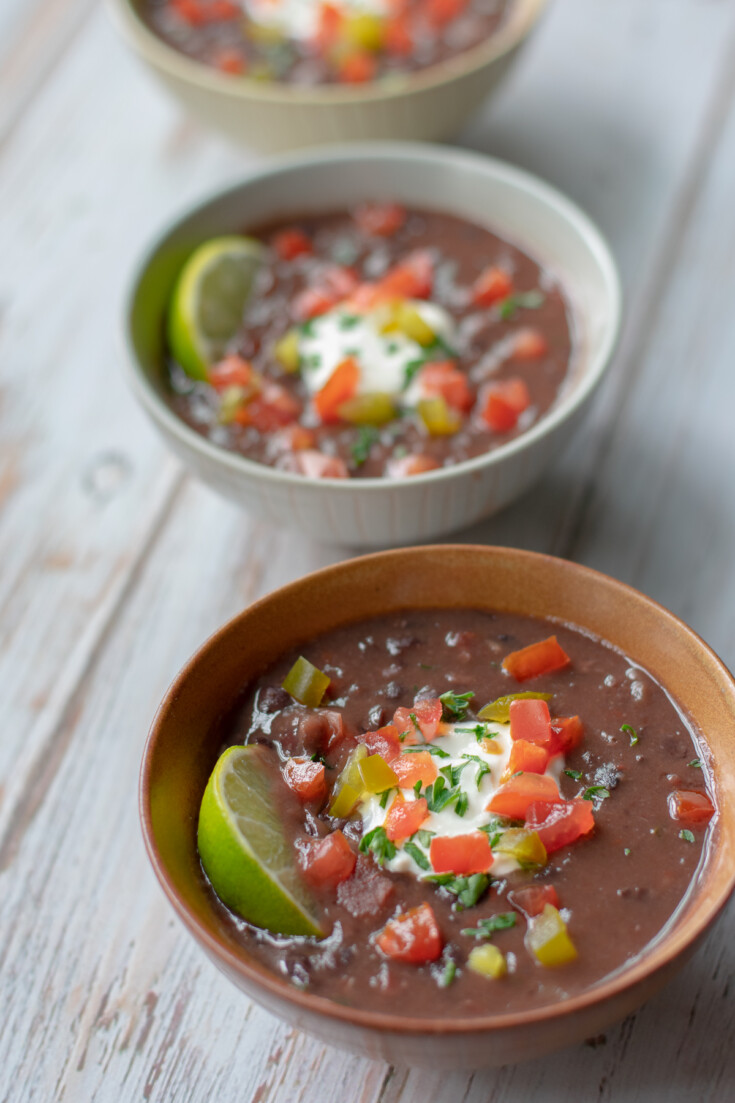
{"x": 656, "y": 956}
{"x": 416, "y": 153}
{"x": 523, "y": 16}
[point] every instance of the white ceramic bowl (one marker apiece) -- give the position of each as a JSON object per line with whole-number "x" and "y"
{"x": 428, "y": 104}
{"x": 381, "y": 512}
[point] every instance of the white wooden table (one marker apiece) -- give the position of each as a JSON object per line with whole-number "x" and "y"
{"x": 115, "y": 565}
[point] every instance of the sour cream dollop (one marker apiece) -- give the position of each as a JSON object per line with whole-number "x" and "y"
{"x": 299, "y": 19}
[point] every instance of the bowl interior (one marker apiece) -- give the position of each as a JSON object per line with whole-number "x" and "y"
{"x": 185, "y": 738}
{"x": 517, "y": 206}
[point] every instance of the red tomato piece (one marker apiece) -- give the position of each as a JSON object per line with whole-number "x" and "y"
{"x": 233, "y": 371}
{"x": 531, "y": 758}
{"x": 529, "y": 344}
{"x": 384, "y": 742}
{"x": 398, "y": 37}
{"x": 428, "y": 713}
{"x": 293, "y": 438}
{"x": 405, "y": 817}
{"x": 403, "y": 466}
{"x": 461, "y": 854}
{"x": 411, "y": 278}
{"x": 413, "y": 936}
{"x": 380, "y": 219}
{"x": 188, "y": 11}
{"x": 690, "y": 806}
{"x": 443, "y": 378}
{"x": 218, "y": 11}
{"x": 491, "y": 286}
{"x": 538, "y": 658}
{"x": 530, "y": 720}
{"x": 559, "y": 823}
{"x": 533, "y": 899}
{"x": 335, "y": 722}
{"x": 291, "y": 243}
{"x": 273, "y": 408}
{"x": 357, "y": 67}
{"x": 316, "y": 465}
{"x": 442, "y": 12}
{"x": 501, "y": 404}
{"x": 514, "y": 797}
{"x": 341, "y": 386}
{"x": 566, "y": 734}
{"x": 339, "y": 281}
{"x": 410, "y": 768}
{"x": 329, "y": 26}
{"x": 306, "y": 778}
{"x": 229, "y": 61}
{"x": 329, "y": 860}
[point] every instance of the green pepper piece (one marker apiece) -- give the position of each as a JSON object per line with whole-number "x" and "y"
{"x": 499, "y": 710}
{"x": 306, "y": 683}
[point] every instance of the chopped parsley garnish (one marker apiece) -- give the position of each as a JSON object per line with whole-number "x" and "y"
{"x": 384, "y": 797}
{"x": 686, "y": 835}
{"x": 696, "y": 763}
{"x": 455, "y": 704}
{"x": 424, "y": 836}
{"x": 447, "y": 974}
{"x": 595, "y": 792}
{"x": 626, "y": 851}
{"x": 377, "y": 841}
{"x": 392, "y": 348}
{"x": 417, "y": 854}
{"x": 453, "y": 773}
{"x": 348, "y": 321}
{"x": 426, "y": 666}
{"x": 529, "y": 300}
{"x": 495, "y": 829}
{"x": 411, "y": 369}
{"x": 461, "y": 804}
{"x": 631, "y": 732}
{"x": 486, "y": 928}
{"x": 482, "y": 767}
{"x": 480, "y": 731}
{"x": 417, "y": 788}
{"x": 427, "y": 748}
{"x": 468, "y": 890}
{"x": 575, "y": 775}
{"x": 414, "y": 718}
{"x": 367, "y": 436}
{"x": 307, "y": 328}
{"x": 313, "y": 361}
{"x": 438, "y": 796}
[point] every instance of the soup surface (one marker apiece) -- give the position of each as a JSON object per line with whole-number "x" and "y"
{"x": 470, "y": 854}
{"x": 308, "y": 42}
{"x": 383, "y": 342}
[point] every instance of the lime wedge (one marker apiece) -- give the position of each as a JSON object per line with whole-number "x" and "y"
{"x": 209, "y": 299}
{"x": 244, "y": 849}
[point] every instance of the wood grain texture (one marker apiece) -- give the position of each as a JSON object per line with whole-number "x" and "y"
{"x": 115, "y": 566}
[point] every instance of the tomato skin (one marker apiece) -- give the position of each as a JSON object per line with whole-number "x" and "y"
{"x": 690, "y": 806}
{"x": 533, "y": 899}
{"x": 384, "y": 742}
{"x": 291, "y": 243}
{"x": 357, "y": 68}
{"x": 492, "y": 285}
{"x": 229, "y": 61}
{"x": 293, "y": 438}
{"x": 461, "y": 854}
{"x": 400, "y": 467}
{"x": 380, "y": 219}
{"x": 306, "y": 778}
{"x": 502, "y": 403}
{"x": 310, "y": 303}
{"x": 329, "y": 25}
{"x": 341, "y": 386}
{"x": 273, "y": 408}
{"x": 441, "y": 12}
{"x": 413, "y": 936}
{"x": 567, "y": 733}
{"x": 412, "y": 278}
{"x": 398, "y": 37}
{"x": 443, "y": 378}
{"x": 559, "y": 823}
{"x": 317, "y": 465}
{"x": 530, "y": 758}
{"x": 539, "y": 658}
{"x": 428, "y": 713}
{"x": 530, "y": 721}
{"x": 513, "y": 798}
{"x": 329, "y": 861}
{"x": 410, "y": 768}
{"x": 529, "y": 344}
{"x": 233, "y": 371}
{"x": 405, "y": 817}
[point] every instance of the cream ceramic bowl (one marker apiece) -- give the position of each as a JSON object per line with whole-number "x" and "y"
{"x": 381, "y": 512}
{"x": 430, "y": 104}
{"x": 185, "y": 741}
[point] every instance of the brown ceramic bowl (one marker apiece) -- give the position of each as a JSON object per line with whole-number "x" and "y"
{"x": 183, "y": 746}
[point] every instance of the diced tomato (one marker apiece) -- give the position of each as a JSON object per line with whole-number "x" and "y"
{"x": 514, "y": 797}
{"x": 442, "y": 12}
{"x": 217, "y": 11}
{"x": 529, "y": 344}
{"x": 357, "y": 67}
{"x": 366, "y": 891}
{"x": 410, "y": 768}
{"x": 335, "y": 722}
{"x": 188, "y": 11}
{"x": 538, "y": 658}
{"x": 233, "y": 371}
{"x": 461, "y": 854}
{"x": 229, "y": 61}
{"x": 559, "y": 823}
{"x": 341, "y": 385}
{"x": 566, "y": 734}
{"x": 428, "y": 713}
{"x": 329, "y": 26}
{"x": 530, "y": 720}
{"x": 293, "y": 438}
{"x": 411, "y": 278}
{"x": 291, "y": 243}
{"x": 384, "y": 742}
{"x": 403, "y": 466}
{"x": 533, "y": 899}
{"x": 690, "y": 806}
{"x": 380, "y": 219}
{"x": 339, "y": 280}
{"x": 413, "y": 936}
{"x": 273, "y": 408}
{"x": 443, "y": 377}
{"x": 311, "y": 302}
{"x": 196, "y": 13}
{"x": 398, "y": 37}
{"x": 316, "y": 465}
{"x": 404, "y": 817}
{"x": 491, "y": 286}
{"x": 501, "y": 404}
{"x": 329, "y": 861}
{"x": 530, "y": 758}
{"x": 306, "y": 778}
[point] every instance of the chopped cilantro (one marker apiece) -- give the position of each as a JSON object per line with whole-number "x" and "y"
{"x": 529, "y": 300}
{"x": 497, "y": 826}
{"x": 426, "y": 666}
{"x": 448, "y": 974}
{"x": 575, "y": 775}
{"x": 626, "y": 851}
{"x": 392, "y": 348}
{"x": 480, "y": 731}
{"x": 631, "y": 732}
{"x": 453, "y": 773}
{"x": 377, "y": 841}
{"x": 438, "y": 796}
{"x": 596, "y": 792}
{"x": 686, "y": 835}
{"x": 417, "y": 788}
{"x": 696, "y": 763}
{"x": 482, "y": 767}
{"x": 384, "y": 797}
{"x": 461, "y": 804}
{"x": 411, "y": 369}
{"x": 414, "y": 718}
{"x": 424, "y": 836}
{"x": 417, "y": 854}
{"x": 348, "y": 321}
{"x": 427, "y": 748}
{"x": 307, "y": 328}
{"x": 468, "y": 890}
{"x": 367, "y": 436}
{"x": 313, "y": 361}
{"x": 486, "y": 928}
{"x": 455, "y": 704}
